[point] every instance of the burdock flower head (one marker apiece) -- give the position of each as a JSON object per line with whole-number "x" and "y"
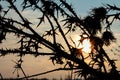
{"x": 108, "y": 37}
{"x": 99, "y": 13}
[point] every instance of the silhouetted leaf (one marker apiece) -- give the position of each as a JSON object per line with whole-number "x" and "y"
{"x": 41, "y": 20}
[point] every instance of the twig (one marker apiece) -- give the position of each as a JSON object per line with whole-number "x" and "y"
{"x": 1, "y": 76}
{"x": 23, "y": 73}
{"x": 58, "y": 69}
{"x": 2, "y": 51}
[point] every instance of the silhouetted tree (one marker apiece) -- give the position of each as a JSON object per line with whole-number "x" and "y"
{"x": 57, "y": 13}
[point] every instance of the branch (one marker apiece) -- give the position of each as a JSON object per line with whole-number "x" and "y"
{"x": 54, "y": 38}
{"x": 1, "y": 76}
{"x": 61, "y": 31}
{"x": 3, "y": 52}
{"x": 35, "y": 37}
{"x": 26, "y": 24}
{"x": 113, "y": 7}
{"x": 58, "y": 69}
{"x": 68, "y": 7}
{"x": 64, "y": 54}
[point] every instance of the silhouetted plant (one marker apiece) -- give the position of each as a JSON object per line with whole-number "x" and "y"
{"x": 32, "y": 42}
{"x": 108, "y": 37}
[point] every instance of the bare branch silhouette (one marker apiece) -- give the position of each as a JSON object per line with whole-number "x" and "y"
{"x": 58, "y": 69}
{"x": 31, "y": 41}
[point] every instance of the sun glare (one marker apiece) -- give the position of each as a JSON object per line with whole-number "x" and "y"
{"x": 85, "y": 45}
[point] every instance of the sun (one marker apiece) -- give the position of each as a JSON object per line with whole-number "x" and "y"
{"x": 85, "y": 45}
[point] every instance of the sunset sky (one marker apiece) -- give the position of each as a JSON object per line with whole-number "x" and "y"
{"x": 42, "y": 63}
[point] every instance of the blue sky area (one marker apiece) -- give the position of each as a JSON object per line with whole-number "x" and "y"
{"x": 82, "y": 7}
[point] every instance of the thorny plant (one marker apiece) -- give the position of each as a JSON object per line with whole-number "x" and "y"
{"x": 51, "y": 10}
{"x": 18, "y": 67}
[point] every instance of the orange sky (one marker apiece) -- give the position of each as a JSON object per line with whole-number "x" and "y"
{"x": 40, "y": 64}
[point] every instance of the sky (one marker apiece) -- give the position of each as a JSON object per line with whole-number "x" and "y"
{"x": 82, "y": 7}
